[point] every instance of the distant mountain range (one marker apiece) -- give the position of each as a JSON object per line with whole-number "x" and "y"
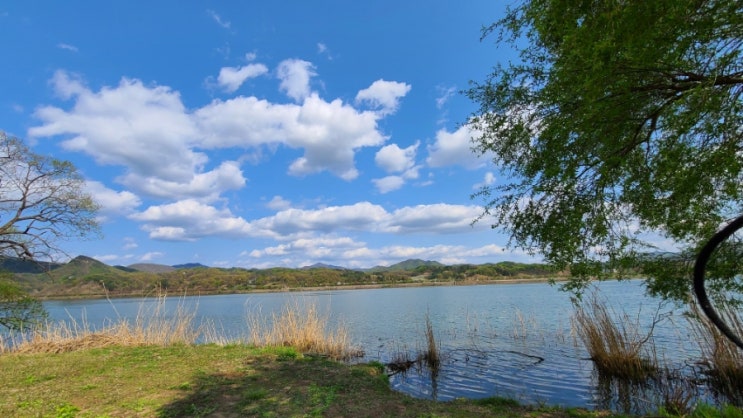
{"x": 87, "y": 265}
{"x": 86, "y": 277}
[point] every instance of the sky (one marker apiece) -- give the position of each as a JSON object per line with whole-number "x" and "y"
{"x": 260, "y": 134}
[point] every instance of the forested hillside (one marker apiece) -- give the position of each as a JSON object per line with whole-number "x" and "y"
{"x": 87, "y": 277}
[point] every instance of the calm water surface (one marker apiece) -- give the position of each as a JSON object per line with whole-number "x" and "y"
{"x": 510, "y": 340}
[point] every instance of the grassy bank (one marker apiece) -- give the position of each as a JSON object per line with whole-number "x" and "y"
{"x": 213, "y": 380}
{"x": 152, "y": 367}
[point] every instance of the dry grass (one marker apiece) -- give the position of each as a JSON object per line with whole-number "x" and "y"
{"x": 617, "y": 348}
{"x": 722, "y": 359}
{"x": 152, "y": 326}
{"x": 303, "y": 328}
{"x": 431, "y": 354}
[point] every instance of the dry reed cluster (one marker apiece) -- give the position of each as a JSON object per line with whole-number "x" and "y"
{"x": 722, "y": 359}
{"x": 303, "y": 328}
{"x": 616, "y": 347}
{"x": 152, "y": 326}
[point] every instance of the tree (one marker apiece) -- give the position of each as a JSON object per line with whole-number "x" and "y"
{"x": 621, "y": 119}
{"x": 42, "y": 202}
{"x": 18, "y": 310}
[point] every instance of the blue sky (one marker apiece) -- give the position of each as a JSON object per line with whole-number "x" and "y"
{"x": 260, "y": 134}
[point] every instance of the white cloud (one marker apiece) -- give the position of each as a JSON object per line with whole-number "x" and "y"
{"x": 359, "y": 216}
{"x": 139, "y": 127}
{"x": 383, "y": 95}
{"x": 488, "y": 180}
{"x": 67, "y": 85}
{"x": 129, "y": 243}
{"x": 111, "y": 201}
{"x": 446, "y": 93}
{"x": 67, "y": 47}
{"x": 188, "y": 220}
{"x": 231, "y": 78}
{"x": 436, "y": 218}
{"x": 145, "y": 129}
{"x": 394, "y": 159}
{"x": 312, "y": 248}
{"x": 295, "y": 76}
{"x": 388, "y": 184}
{"x": 278, "y": 203}
{"x": 151, "y": 256}
{"x": 223, "y": 23}
{"x": 454, "y": 148}
{"x": 205, "y": 186}
{"x": 329, "y": 132}
{"x": 347, "y": 252}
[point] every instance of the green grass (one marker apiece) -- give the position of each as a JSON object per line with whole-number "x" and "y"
{"x": 215, "y": 380}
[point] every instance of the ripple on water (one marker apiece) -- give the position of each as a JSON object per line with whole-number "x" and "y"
{"x": 531, "y": 375}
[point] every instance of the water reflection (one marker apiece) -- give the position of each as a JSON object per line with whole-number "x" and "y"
{"x": 512, "y": 341}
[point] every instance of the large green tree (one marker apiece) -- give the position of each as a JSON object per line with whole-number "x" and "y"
{"x": 42, "y": 203}
{"x": 618, "y": 120}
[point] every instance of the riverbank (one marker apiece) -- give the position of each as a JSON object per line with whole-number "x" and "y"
{"x": 225, "y": 381}
{"x": 112, "y": 295}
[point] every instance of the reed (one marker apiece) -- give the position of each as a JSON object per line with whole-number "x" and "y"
{"x": 303, "y": 328}
{"x": 431, "y": 354}
{"x": 617, "y": 348}
{"x": 722, "y": 360}
{"x": 152, "y": 326}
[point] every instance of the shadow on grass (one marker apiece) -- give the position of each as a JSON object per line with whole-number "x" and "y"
{"x": 285, "y": 386}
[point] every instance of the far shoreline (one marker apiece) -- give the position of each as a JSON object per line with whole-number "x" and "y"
{"x": 450, "y": 283}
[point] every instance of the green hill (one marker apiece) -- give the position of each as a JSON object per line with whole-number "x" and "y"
{"x": 407, "y": 265}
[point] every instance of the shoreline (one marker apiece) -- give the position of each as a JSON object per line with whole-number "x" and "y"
{"x": 522, "y": 280}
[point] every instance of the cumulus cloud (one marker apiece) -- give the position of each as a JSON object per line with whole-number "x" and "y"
{"x": 111, "y": 201}
{"x": 388, "y": 184}
{"x": 139, "y": 127}
{"x": 231, "y": 78}
{"x": 347, "y": 252}
{"x": 188, "y": 220}
{"x": 394, "y": 159}
{"x": 131, "y": 125}
{"x": 295, "y": 76}
{"x": 206, "y": 186}
{"x": 383, "y": 95}
{"x": 329, "y": 132}
{"x": 310, "y": 248}
{"x": 278, "y": 203}
{"x": 453, "y": 148}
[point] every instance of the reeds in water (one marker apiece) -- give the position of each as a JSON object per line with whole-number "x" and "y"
{"x": 722, "y": 360}
{"x": 615, "y": 343}
{"x": 152, "y": 326}
{"x": 431, "y": 354}
{"x": 303, "y": 328}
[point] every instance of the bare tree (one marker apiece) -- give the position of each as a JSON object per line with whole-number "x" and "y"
{"x": 42, "y": 201}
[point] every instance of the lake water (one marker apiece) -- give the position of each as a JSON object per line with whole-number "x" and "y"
{"x": 509, "y": 340}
